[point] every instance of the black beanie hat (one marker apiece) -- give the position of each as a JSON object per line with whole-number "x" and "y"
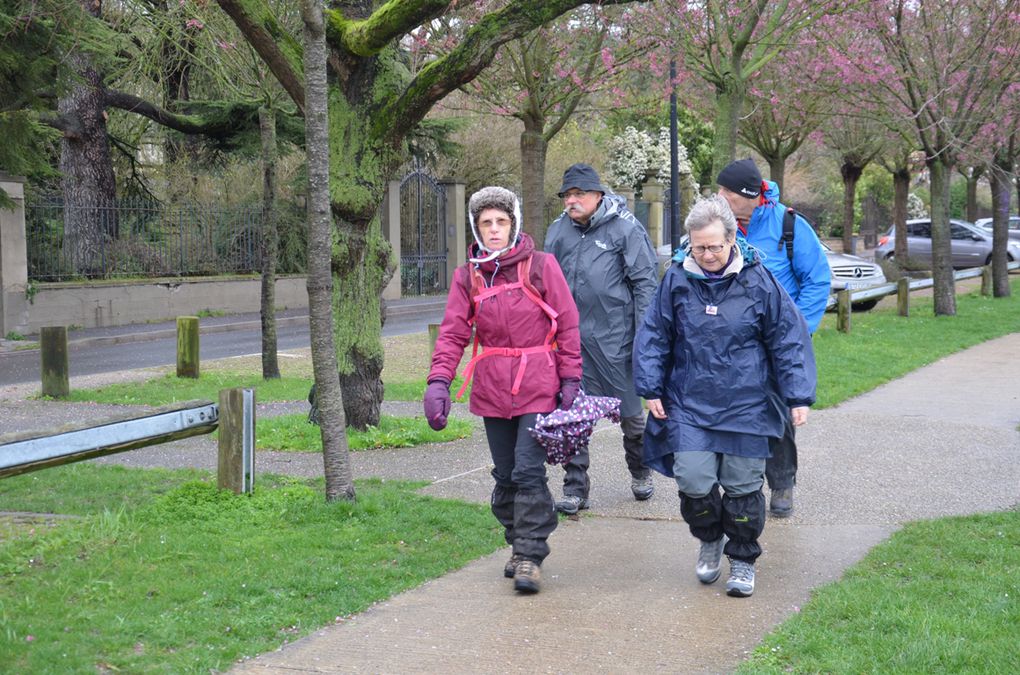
{"x": 741, "y": 176}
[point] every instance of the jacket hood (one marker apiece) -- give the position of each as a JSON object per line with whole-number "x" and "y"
{"x": 510, "y": 257}
{"x": 771, "y": 193}
{"x": 493, "y": 197}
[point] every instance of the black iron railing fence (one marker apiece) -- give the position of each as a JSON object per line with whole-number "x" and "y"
{"x": 139, "y": 238}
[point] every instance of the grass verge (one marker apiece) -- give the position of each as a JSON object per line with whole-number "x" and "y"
{"x": 939, "y": 596}
{"x": 293, "y": 433}
{"x": 164, "y": 573}
{"x": 883, "y": 345}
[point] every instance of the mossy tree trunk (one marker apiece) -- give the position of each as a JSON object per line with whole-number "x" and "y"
{"x": 729, "y": 101}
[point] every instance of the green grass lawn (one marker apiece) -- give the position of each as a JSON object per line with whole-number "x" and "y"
{"x": 940, "y": 596}
{"x": 160, "y": 572}
{"x": 294, "y": 433}
{"x": 883, "y": 346}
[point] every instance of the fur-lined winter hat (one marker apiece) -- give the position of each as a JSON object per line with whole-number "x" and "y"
{"x": 494, "y": 197}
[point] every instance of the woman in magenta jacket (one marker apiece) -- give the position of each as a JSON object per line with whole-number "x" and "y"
{"x": 525, "y": 323}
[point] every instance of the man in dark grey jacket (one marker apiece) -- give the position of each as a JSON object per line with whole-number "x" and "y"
{"x": 611, "y": 269}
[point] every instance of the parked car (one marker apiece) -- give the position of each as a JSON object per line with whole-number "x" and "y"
{"x": 1013, "y": 228}
{"x": 970, "y": 246}
{"x": 848, "y": 271}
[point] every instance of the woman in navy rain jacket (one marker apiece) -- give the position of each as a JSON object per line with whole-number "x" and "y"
{"x": 720, "y": 342}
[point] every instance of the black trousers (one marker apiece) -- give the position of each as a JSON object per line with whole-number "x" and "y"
{"x": 575, "y": 480}
{"x": 781, "y": 467}
{"x": 521, "y": 500}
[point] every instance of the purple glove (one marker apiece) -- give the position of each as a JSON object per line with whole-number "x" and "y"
{"x": 568, "y": 392}
{"x": 437, "y": 404}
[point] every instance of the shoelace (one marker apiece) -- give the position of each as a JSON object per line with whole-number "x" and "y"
{"x": 741, "y": 570}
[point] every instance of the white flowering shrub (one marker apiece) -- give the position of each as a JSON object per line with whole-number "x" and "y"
{"x": 915, "y": 207}
{"x": 635, "y": 155}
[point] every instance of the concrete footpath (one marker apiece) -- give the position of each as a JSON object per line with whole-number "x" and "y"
{"x": 619, "y": 593}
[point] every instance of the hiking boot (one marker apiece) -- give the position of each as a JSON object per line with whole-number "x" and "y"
{"x": 571, "y": 504}
{"x": 527, "y": 576}
{"x": 710, "y": 561}
{"x": 511, "y": 566}
{"x": 643, "y": 488}
{"x": 781, "y": 504}
{"x": 741, "y": 581}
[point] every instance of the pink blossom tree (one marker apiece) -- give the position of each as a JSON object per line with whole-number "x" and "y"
{"x": 545, "y": 77}
{"x": 726, "y": 43}
{"x": 786, "y": 102}
{"x": 948, "y": 67}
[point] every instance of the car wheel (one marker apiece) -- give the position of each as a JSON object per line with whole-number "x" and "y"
{"x": 891, "y": 257}
{"x": 988, "y": 260}
{"x": 864, "y": 305}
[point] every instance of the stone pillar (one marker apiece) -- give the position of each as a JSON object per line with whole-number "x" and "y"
{"x": 13, "y": 259}
{"x": 687, "y": 197}
{"x": 390, "y": 221}
{"x": 456, "y": 226}
{"x": 628, "y": 194}
{"x": 652, "y": 192}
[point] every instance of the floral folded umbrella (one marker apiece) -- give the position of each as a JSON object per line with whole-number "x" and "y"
{"x": 564, "y": 432}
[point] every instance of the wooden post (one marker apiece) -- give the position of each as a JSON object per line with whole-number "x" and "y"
{"x": 903, "y": 296}
{"x": 53, "y": 349}
{"x": 187, "y": 346}
{"x": 433, "y": 336}
{"x": 843, "y": 311}
{"x": 986, "y": 281}
{"x": 235, "y": 465}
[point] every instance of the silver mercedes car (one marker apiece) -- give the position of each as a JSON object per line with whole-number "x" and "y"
{"x": 852, "y": 272}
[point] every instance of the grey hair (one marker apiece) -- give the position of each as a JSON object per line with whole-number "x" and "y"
{"x": 708, "y": 210}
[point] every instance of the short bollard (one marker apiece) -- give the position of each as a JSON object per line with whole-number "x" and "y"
{"x": 903, "y": 296}
{"x": 843, "y": 311}
{"x": 53, "y": 349}
{"x": 236, "y": 459}
{"x": 187, "y": 346}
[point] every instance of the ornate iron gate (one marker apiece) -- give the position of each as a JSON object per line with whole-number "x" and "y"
{"x": 422, "y": 234}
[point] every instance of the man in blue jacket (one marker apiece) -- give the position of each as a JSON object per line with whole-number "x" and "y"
{"x": 805, "y": 276}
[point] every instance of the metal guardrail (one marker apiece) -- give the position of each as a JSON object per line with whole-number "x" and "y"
{"x": 24, "y": 452}
{"x": 882, "y": 290}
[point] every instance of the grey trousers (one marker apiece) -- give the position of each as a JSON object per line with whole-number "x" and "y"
{"x": 739, "y": 513}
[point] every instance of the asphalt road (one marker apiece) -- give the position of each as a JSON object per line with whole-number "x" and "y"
{"x": 18, "y": 367}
